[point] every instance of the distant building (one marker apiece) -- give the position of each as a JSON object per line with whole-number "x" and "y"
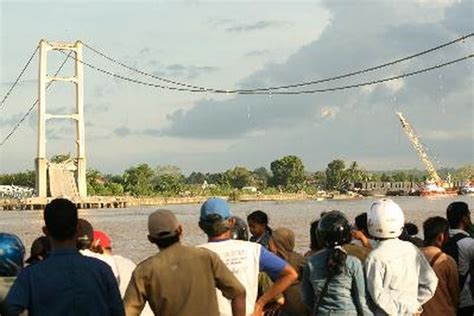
{"x": 14, "y": 191}
{"x": 250, "y": 189}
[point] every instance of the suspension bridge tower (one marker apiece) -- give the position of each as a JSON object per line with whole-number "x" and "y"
{"x": 78, "y": 182}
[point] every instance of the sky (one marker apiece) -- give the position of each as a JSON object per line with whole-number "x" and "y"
{"x": 244, "y": 44}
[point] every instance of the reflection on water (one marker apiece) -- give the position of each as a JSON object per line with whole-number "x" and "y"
{"x": 128, "y": 227}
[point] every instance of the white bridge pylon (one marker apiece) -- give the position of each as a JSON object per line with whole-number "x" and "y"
{"x": 44, "y": 78}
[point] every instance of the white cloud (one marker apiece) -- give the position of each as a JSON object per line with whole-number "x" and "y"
{"x": 443, "y": 134}
{"x": 395, "y": 85}
{"x": 329, "y": 112}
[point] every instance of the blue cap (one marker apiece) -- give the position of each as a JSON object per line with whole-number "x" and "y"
{"x": 215, "y": 206}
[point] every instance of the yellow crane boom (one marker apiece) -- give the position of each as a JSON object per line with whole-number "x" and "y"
{"x": 420, "y": 150}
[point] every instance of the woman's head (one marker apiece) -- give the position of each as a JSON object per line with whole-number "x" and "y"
{"x": 361, "y": 223}
{"x": 284, "y": 239}
{"x": 258, "y": 223}
{"x": 334, "y": 229}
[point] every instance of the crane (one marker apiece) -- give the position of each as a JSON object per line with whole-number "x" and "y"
{"x": 433, "y": 176}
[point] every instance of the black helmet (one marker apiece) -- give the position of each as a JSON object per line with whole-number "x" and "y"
{"x": 334, "y": 229}
{"x": 240, "y": 230}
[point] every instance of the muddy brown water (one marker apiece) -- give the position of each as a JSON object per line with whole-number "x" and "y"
{"x": 128, "y": 227}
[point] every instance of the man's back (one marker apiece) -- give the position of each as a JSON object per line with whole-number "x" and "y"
{"x": 399, "y": 277}
{"x": 66, "y": 283}
{"x": 465, "y": 256}
{"x": 446, "y": 298}
{"x": 180, "y": 280}
{"x": 243, "y": 259}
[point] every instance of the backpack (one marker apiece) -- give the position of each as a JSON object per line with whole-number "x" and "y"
{"x": 451, "y": 248}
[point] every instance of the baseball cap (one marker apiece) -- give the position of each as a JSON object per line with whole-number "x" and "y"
{"x": 215, "y": 206}
{"x": 101, "y": 239}
{"x": 86, "y": 232}
{"x": 162, "y": 224}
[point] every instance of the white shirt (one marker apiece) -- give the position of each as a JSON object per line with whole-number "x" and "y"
{"x": 243, "y": 259}
{"x": 125, "y": 269}
{"x": 466, "y": 254}
{"x": 399, "y": 279}
{"x": 107, "y": 259}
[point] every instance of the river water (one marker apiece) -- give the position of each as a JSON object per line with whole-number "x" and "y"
{"x": 128, "y": 227}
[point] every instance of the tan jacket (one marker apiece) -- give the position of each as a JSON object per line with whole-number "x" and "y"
{"x": 446, "y": 298}
{"x": 180, "y": 280}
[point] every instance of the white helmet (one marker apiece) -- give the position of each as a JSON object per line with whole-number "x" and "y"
{"x": 385, "y": 219}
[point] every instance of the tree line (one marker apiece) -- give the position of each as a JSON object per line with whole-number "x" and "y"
{"x": 286, "y": 174}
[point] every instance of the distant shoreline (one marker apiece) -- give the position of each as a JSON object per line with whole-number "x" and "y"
{"x": 129, "y": 201}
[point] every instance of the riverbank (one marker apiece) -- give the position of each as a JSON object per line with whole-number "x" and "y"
{"x": 98, "y": 202}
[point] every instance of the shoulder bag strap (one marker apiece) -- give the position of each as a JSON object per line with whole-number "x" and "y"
{"x": 435, "y": 257}
{"x": 321, "y": 296}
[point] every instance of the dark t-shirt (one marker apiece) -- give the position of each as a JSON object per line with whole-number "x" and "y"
{"x": 66, "y": 284}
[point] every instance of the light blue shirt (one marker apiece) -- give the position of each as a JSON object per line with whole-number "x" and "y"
{"x": 345, "y": 291}
{"x": 399, "y": 279}
{"x": 66, "y": 284}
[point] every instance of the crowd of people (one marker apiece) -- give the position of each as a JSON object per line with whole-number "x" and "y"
{"x": 375, "y": 266}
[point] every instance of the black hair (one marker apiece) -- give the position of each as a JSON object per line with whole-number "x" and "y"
{"x": 455, "y": 213}
{"x": 336, "y": 260}
{"x": 315, "y": 243}
{"x": 432, "y": 227}
{"x": 411, "y": 228}
{"x": 361, "y": 223}
{"x": 163, "y": 243}
{"x": 60, "y": 217}
{"x": 39, "y": 250}
{"x": 260, "y": 217}
{"x": 214, "y": 225}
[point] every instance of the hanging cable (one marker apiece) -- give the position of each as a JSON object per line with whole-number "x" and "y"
{"x": 23, "y": 118}
{"x": 257, "y": 92}
{"x": 408, "y": 74}
{"x": 170, "y": 81}
{"x": 4, "y": 99}
{"x": 143, "y": 72}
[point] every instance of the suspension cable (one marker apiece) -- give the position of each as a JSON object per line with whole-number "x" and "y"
{"x": 23, "y": 118}
{"x": 346, "y": 75}
{"x": 254, "y": 92}
{"x": 4, "y": 99}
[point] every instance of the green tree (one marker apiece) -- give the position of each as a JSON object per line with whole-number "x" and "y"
{"x": 355, "y": 174}
{"x": 98, "y": 184}
{"x": 288, "y": 172}
{"x": 60, "y": 158}
{"x": 27, "y": 179}
{"x": 168, "y": 179}
{"x": 220, "y": 178}
{"x": 262, "y": 177}
{"x": 138, "y": 180}
{"x": 240, "y": 177}
{"x": 386, "y": 178}
{"x": 465, "y": 173}
{"x": 400, "y": 176}
{"x": 319, "y": 179}
{"x": 196, "y": 178}
{"x": 336, "y": 176}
